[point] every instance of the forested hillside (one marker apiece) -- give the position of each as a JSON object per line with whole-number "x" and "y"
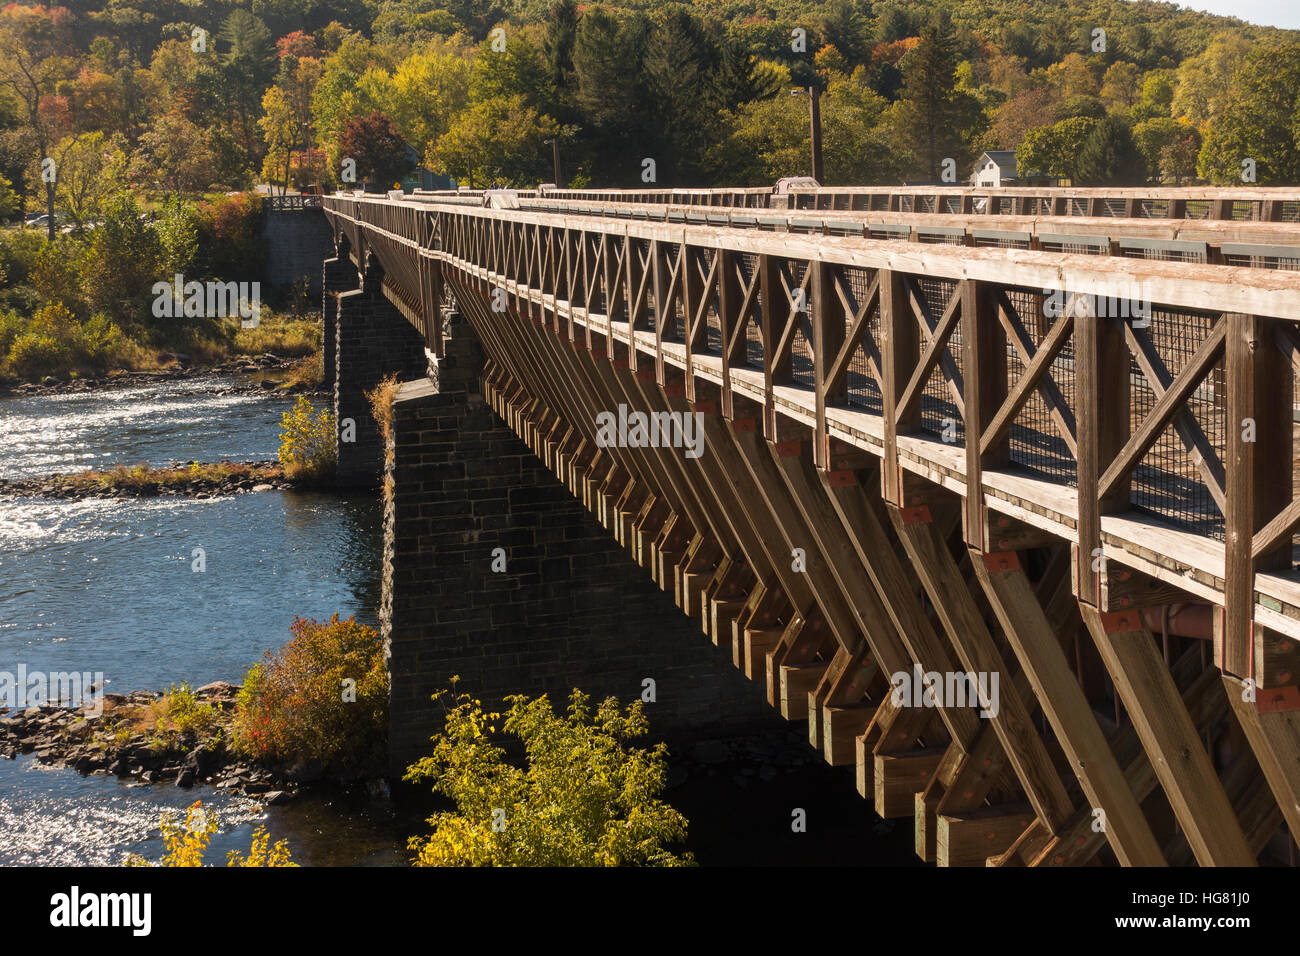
{"x": 111, "y": 107}
{"x": 183, "y": 97}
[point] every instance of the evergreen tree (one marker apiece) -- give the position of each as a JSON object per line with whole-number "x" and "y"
{"x": 1110, "y": 156}
{"x": 936, "y": 119}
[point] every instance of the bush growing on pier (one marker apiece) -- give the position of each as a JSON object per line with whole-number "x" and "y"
{"x": 322, "y": 697}
{"x": 381, "y": 399}
{"x": 583, "y": 798}
{"x": 307, "y": 450}
{"x": 187, "y": 840}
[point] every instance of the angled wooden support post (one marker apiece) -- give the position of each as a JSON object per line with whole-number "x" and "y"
{"x": 1039, "y": 650}
{"x": 1169, "y": 736}
{"x": 1275, "y": 739}
{"x": 978, "y": 653}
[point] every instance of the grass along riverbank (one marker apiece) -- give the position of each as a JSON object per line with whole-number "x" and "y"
{"x": 127, "y": 481}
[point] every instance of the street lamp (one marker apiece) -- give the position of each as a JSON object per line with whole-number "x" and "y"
{"x": 555, "y": 156}
{"x": 815, "y": 122}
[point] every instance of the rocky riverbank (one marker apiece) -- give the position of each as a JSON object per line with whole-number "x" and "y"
{"x": 195, "y": 480}
{"x": 134, "y": 737}
{"x": 266, "y": 365}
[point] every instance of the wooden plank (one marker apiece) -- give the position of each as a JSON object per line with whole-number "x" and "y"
{"x": 900, "y": 344}
{"x": 1259, "y": 476}
{"x": 897, "y": 777}
{"x": 1103, "y": 403}
{"x": 796, "y": 681}
{"x": 984, "y": 366}
{"x": 969, "y": 839}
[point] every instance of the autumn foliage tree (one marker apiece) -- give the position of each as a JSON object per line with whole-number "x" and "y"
{"x": 377, "y": 146}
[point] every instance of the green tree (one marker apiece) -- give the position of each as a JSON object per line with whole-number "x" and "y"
{"x": 247, "y": 67}
{"x": 122, "y": 262}
{"x": 35, "y": 44}
{"x": 1054, "y": 150}
{"x": 935, "y": 119}
{"x": 499, "y": 142}
{"x": 1258, "y": 121}
{"x": 583, "y": 797}
{"x": 768, "y": 139}
{"x": 1110, "y": 157}
{"x": 1155, "y": 137}
{"x": 1204, "y": 81}
{"x": 1121, "y": 85}
{"x": 609, "y": 93}
{"x": 176, "y": 155}
{"x": 94, "y": 167}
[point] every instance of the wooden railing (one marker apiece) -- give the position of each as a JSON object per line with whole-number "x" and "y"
{"x": 1258, "y": 204}
{"x": 1152, "y": 436}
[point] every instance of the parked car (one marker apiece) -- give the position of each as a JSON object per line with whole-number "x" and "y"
{"x": 41, "y": 220}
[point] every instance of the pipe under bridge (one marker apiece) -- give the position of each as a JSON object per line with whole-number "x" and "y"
{"x": 996, "y": 489}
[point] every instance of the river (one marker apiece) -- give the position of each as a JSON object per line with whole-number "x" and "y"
{"x": 108, "y": 585}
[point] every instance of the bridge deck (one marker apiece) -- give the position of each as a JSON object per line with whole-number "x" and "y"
{"x": 1155, "y": 440}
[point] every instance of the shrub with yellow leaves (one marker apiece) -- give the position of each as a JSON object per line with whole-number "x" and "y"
{"x": 187, "y": 840}
{"x": 584, "y": 797}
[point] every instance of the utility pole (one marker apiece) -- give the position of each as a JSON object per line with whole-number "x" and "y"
{"x": 555, "y": 157}
{"x": 815, "y": 125}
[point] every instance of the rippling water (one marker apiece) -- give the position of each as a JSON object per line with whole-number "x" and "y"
{"x": 108, "y": 585}
{"x": 159, "y": 423}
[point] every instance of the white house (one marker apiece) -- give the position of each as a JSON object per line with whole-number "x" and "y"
{"x": 997, "y": 167}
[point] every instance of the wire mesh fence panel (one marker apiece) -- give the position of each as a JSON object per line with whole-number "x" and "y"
{"x": 1289, "y": 263}
{"x": 939, "y": 413}
{"x": 941, "y": 238}
{"x": 802, "y": 354}
{"x": 1162, "y": 254}
{"x": 1167, "y": 481}
{"x": 1035, "y": 441}
{"x": 1074, "y": 248}
{"x": 754, "y": 326}
{"x": 1001, "y": 242}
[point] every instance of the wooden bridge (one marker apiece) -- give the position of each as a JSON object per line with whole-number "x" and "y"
{"x": 1032, "y": 444}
